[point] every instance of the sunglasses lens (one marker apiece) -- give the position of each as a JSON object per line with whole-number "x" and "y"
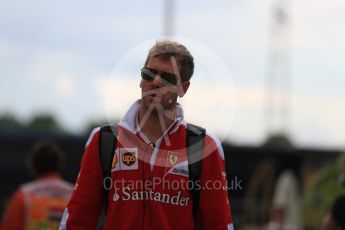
{"x": 149, "y": 74}
{"x": 169, "y": 78}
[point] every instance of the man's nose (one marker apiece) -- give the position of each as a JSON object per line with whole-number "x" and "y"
{"x": 157, "y": 80}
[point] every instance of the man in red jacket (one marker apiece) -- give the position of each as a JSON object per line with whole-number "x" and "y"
{"x": 150, "y": 186}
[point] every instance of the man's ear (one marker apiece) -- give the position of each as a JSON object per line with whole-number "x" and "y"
{"x": 141, "y": 83}
{"x": 182, "y": 89}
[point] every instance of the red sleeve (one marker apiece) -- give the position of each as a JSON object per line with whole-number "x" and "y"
{"x": 214, "y": 205}
{"x": 87, "y": 198}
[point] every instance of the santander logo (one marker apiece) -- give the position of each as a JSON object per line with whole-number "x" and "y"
{"x": 128, "y": 195}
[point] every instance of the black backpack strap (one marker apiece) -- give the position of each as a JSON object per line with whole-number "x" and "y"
{"x": 195, "y": 138}
{"x": 107, "y": 145}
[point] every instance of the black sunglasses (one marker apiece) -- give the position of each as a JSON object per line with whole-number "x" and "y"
{"x": 149, "y": 74}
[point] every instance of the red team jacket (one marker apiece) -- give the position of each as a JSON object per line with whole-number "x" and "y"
{"x": 149, "y": 182}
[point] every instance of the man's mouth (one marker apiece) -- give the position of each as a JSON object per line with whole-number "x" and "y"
{"x": 154, "y": 94}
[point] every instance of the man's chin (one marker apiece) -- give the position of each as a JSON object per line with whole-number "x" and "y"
{"x": 152, "y": 104}
{"x": 156, "y": 107}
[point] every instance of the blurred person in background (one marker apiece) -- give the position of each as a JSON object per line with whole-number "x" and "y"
{"x": 285, "y": 210}
{"x": 335, "y": 219}
{"x": 39, "y": 204}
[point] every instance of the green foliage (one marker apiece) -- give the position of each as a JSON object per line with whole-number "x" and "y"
{"x": 40, "y": 122}
{"x": 279, "y": 141}
{"x": 44, "y": 122}
{"x": 320, "y": 194}
{"x": 9, "y": 122}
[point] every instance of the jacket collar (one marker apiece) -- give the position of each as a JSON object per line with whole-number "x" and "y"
{"x": 129, "y": 120}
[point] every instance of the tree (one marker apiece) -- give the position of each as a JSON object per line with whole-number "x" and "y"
{"x": 9, "y": 122}
{"x": 44, "y": 122}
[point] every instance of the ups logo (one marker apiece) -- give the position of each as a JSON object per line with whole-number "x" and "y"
{"x": 128, "y": 158}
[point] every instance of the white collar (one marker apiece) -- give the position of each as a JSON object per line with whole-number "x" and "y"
{"x": 146, "y": 139}
{"x": 129, "y": 121}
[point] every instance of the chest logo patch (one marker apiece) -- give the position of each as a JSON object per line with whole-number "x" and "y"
{"x": 129, "y": 158}
{"x": 115, "y": 161}
{"x": 125, "y": 159}
{"x": 172, "y": 158}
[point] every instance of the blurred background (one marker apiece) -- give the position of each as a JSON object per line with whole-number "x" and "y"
{"x": 278, "y": 103}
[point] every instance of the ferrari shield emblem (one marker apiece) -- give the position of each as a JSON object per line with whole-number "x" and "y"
{"x": 172, "y": 158}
